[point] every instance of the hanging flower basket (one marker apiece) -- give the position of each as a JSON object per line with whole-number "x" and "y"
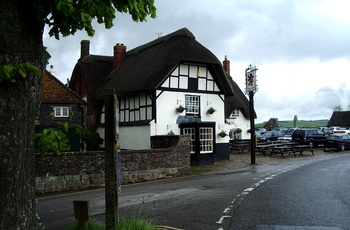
{"x": 211, "y": 110}
{"x": 222, "y": 134}
{"x": 180, "y": 109}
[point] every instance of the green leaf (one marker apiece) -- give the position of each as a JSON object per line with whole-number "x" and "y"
{"x": 22, "y": 72}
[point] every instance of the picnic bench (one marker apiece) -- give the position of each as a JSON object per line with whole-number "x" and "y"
{"x": 263, "y": 148}
{"x": 290, "y": 148}
{"x": 240, "y": 146}
{"x": 277, "y": 147}
{"x": 282, "y": 149}
{"x": 302, "y": 148}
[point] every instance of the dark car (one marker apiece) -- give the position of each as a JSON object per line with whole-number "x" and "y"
{"x": 337, "y": 141}
{"x": 271, "y": 136}
{"x": 311, "y": 137}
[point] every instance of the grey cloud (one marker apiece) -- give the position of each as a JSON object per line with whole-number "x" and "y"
{"x": 257, "y": 32}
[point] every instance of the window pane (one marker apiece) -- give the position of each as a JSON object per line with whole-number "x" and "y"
{"x": 57, "y": 112}
{"x": 206, "y": 140}
{"x": 64, "y": 112}
{"x": 192, "y": 105}
{"x": 191, "y": 132}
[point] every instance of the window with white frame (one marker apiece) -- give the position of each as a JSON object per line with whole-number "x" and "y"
{"x": 206, "y": 139}
{"x": 61, "y": 111}
{"x": 192, "y": 134}
{"x": 192, "y": 105}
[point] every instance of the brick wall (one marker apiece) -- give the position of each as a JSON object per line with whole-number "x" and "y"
{"x": 72, "y": 171}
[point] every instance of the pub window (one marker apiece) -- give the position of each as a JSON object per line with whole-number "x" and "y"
{"x": 206, "y": 139}
{"x": 192, "y": 134}
{"x": 192, "y": 105}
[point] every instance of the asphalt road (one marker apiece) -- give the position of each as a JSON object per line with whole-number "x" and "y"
{"x": 310, "y": 193}
{"x": 315, "y": 196}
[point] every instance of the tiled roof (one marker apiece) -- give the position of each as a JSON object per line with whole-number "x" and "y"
{"x": 55, "y": 92}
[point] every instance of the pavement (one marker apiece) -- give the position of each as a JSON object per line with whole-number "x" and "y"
{"x": 243, "y": 160}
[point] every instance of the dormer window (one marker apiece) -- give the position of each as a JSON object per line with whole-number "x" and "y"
{"x": 235, "y": 113}
{"x": 62, "y": 111}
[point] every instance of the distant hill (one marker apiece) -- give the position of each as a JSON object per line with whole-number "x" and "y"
{"x": 301, "y": 124}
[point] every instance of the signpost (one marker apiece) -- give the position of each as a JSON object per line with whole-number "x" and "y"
{"x": 119, "y": 173}
{"x": 251, "y": 88}
{"x": 111, "y": 195}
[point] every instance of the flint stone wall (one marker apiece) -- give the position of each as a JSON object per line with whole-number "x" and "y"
{"x": 169, "y": 157}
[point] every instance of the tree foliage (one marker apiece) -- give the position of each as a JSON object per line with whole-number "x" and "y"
{"x": 68, "y": 16}
{"x": 22, "y": 57}
{"x": 338, "y": 108}
{"x": 10, "y": 72}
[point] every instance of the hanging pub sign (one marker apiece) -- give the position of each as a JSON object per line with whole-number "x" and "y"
{"x": 250, "y": 79}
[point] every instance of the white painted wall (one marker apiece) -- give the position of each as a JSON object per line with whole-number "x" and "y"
{"x": 132, "y": 137}
{"x": 241, "y": 122}
{"x": 167, "y": 103}
{"x": 135, "y": 137}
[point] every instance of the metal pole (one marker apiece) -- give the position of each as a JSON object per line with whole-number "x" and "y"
{"x": 252, "y": 127}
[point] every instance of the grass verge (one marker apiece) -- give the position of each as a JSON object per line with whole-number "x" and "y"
{"x": 124, "y": 224}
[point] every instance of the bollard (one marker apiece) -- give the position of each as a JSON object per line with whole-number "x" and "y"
{"x": 81, "y": 211}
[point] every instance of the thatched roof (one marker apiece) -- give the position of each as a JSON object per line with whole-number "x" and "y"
{"x": 147, "y": 66}
{"x": 238, "y": 101}
{"x": 340, "y": 118}
{"x": 94, "y": 69}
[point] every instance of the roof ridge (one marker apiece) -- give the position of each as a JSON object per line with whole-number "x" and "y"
{"x": 184, "y": 32}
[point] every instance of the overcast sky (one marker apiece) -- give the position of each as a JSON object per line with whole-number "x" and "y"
{"x": 301, "y": 48}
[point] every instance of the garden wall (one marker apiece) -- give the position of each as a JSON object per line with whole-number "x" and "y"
{"x": 72, "y": 171}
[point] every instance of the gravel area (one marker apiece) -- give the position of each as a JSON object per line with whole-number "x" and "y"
{"x": 242, "y": 160}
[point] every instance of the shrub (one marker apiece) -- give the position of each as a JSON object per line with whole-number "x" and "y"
{"x": 91, "y": 138}
{"x": 50, "y": 140}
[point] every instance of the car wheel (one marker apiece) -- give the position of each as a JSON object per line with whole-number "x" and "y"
{"x": 311, "y": 144}
{"x": 342, "y": 147}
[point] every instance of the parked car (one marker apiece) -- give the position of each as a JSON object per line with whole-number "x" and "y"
{"x": 290, "y": 131}
{"x": 342, "y": 131}
{"x": 331, "y": 130}
{"x": 271, "y": 136}
{"x": 311, "y": 137}
{"x": 280, "y": 129}
{"x": 260, "y": 131}
{"x": 286, "y": 137}
{"x": 338, "y": 142}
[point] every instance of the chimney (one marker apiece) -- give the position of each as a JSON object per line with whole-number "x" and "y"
{"x": 84, "y": 48}
{"x": 226, "y": 64}
{"x": 52, "y": 69}
{"x": 119, "y": 55}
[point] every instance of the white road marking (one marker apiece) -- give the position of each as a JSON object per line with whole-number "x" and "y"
{"x": 221, "y": 219}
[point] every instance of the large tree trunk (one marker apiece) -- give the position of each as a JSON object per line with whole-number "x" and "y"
{"x": 20, "y": 42}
